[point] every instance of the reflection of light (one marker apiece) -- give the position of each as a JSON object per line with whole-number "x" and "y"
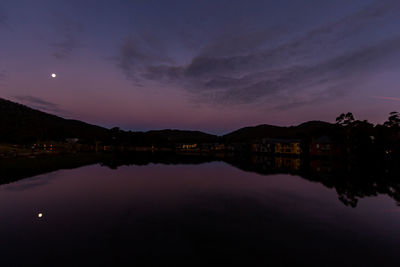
{"x": 40, "y": 215}
{"x": 53, "y": 75}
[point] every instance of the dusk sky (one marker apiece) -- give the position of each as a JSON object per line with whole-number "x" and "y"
{"x": 213, "y": 66}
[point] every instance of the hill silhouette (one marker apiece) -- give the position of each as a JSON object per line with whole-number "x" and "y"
{"x": 302, "y": 131}
{"x": 22, "y": 125}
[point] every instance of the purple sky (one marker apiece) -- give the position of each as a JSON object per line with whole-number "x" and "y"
{"x": 205, "y": 65}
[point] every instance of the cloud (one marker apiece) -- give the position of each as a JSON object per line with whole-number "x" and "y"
{"x": 3, "y": 19}
{"x": 387, "y": 98}
{"x": 41, "y": 104}
{"x": 138, "y": 51}
{"x": 234, "y": 44}
{"x": 69, "y": 32}
{"x": 3, "y": 77}
{"x": 324, "y": 42}
{"x": 248, "y": 68}
{"x": 284, "y": 82}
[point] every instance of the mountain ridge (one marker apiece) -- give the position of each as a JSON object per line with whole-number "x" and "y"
{"x": 23, "y": 124}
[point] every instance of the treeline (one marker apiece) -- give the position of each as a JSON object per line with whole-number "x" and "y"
{"x": 22, "y": 125}
{"x": 363, "y": 137}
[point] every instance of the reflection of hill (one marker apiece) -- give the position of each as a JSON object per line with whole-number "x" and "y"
{"x": 355, "y": 180}
{"x": 262, "y": 164}
{"x": 145, "y": 158}
{"x": 351, "y": 180}
{"x": 12, "y": 170}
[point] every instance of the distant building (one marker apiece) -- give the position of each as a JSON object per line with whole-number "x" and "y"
{"x": 187, "y": 146}
{"x": 71, "y": 140}
{"x": 287, "y": 146}
{"x": 207, "y": 146}
{"x": 324, "y": 146}
{"x": 277, "y": 146}
{"x": 264, "y": 146}
{"x": 219, "y": 147}
{"x": 238, "y": 147}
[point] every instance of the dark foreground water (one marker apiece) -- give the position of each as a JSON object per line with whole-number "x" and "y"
{"x": 210, "y": 214}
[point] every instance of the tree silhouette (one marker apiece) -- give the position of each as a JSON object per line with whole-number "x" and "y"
{"x": 345, "y": 119}
{"x": 393, "y": 120}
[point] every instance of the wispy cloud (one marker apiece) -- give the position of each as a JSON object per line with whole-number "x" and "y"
{"x": 138, "y": 51}
{"x": 3, "y": 18}
{"x": 387, "y": 98}
{"x": 41, "y": 104}
{"x": 248, "y": 68}
{"x": 69, "y": 32}
{"x": 3, "y": 77}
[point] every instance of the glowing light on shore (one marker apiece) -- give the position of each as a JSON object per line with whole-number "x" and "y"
{"x": 53, "y": 75}
{"x": 40, "y": 215}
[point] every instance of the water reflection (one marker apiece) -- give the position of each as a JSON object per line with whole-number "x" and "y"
{"x": 196, "y": 210}
{"x": 352, "y": 179}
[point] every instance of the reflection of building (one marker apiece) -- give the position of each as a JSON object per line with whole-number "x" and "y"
{"x": 262, "y": 163}
{"x": 324, "y": 146}
{"x": 292, "y": 164}
{"x": 320, "y": 165}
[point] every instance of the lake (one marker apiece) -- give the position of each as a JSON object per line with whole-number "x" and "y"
{"x": 207, "y": 213}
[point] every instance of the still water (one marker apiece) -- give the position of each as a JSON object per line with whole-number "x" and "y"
{"x": 190, "y": 214}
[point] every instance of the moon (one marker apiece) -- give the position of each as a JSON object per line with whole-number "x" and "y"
{"x": 53, "y": 75}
